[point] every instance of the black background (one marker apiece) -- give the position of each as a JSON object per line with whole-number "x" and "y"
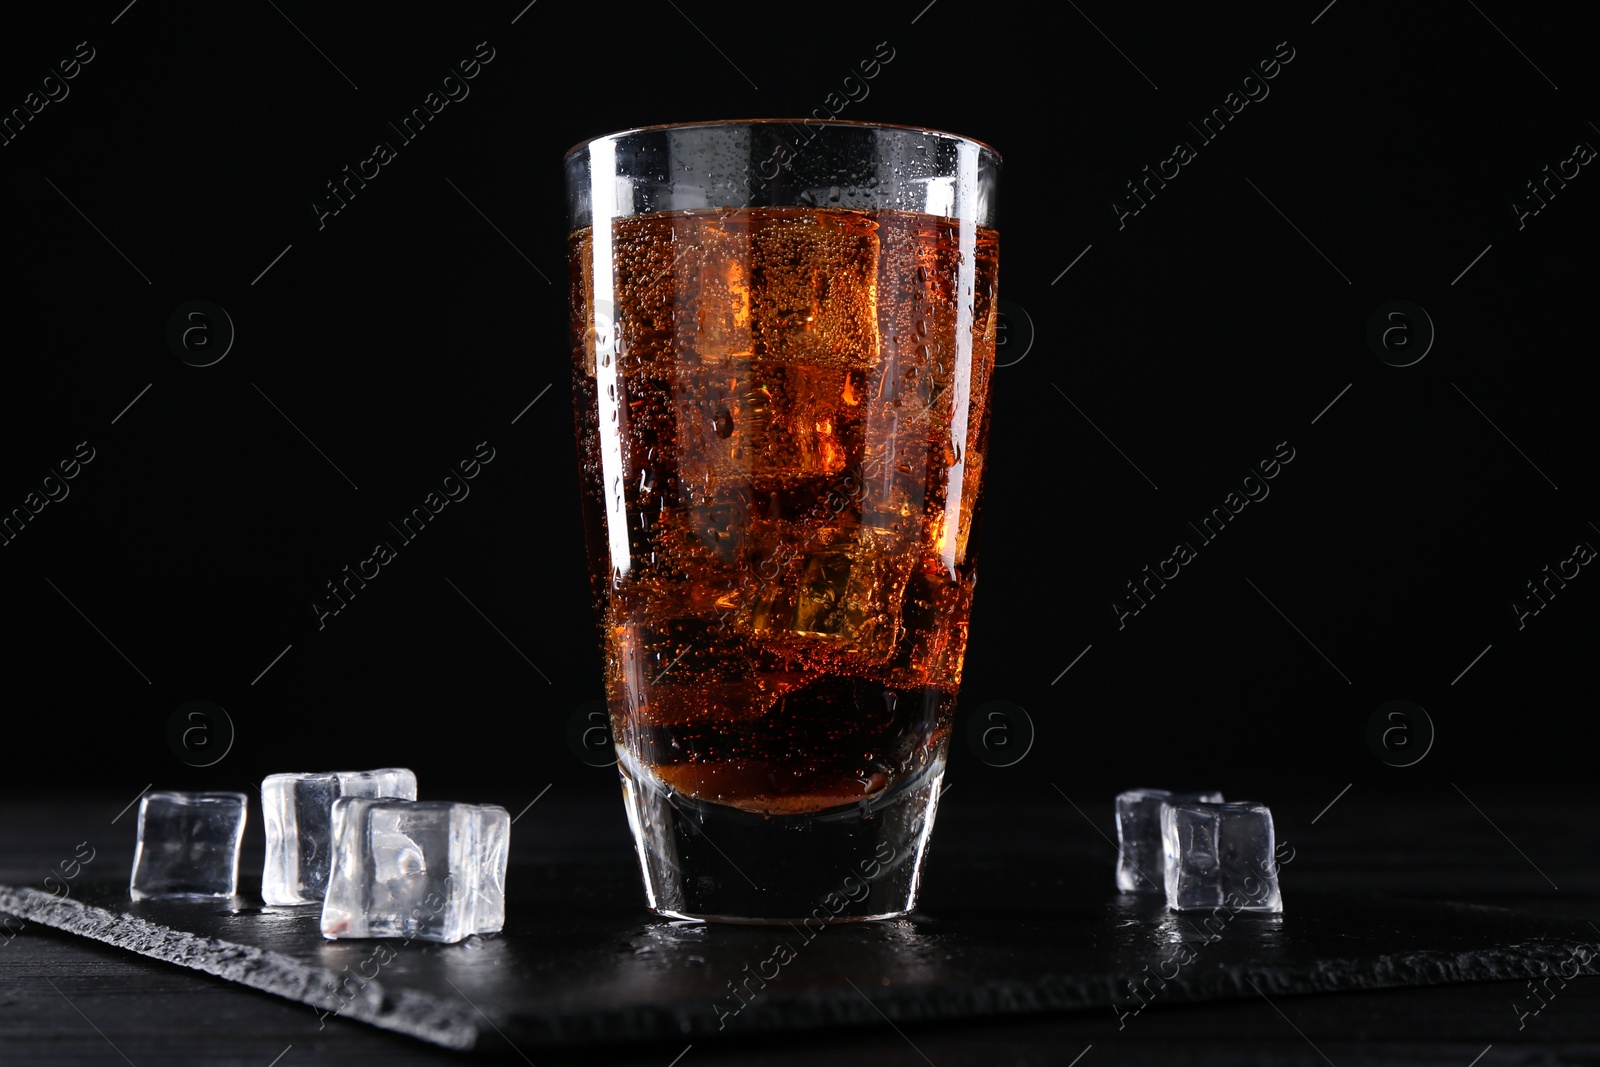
{"x": 427, "y": 315}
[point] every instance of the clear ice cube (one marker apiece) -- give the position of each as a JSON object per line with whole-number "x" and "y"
{"x": 1219, "y": 855}
{"x": 1139, "y": 835}
{"x": 298, "y": 809}
{"x": 430, "y": 870}
{"x": 188, "y": 845}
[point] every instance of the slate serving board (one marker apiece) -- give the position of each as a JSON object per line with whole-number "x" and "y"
{"x": 580, "y": 964}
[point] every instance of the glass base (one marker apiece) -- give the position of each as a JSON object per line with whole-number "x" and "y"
{"x": 715, "y": 863}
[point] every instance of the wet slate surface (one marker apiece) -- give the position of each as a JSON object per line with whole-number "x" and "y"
{"x": 579, "y": 964}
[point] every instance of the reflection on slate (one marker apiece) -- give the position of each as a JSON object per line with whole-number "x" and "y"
{"x": 578, "y": 963}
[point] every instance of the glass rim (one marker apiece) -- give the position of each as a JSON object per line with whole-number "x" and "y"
{"x": 906, "y": 127}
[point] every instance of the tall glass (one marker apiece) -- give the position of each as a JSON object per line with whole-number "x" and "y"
{"x": 783, "y": 336}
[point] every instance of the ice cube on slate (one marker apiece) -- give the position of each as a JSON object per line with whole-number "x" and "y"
{"x": 1219, "y": 855}
{"x": 1139, "y": 836}
{"x": 298, "y": 809}
{"x": 431, "y": 870}
{"x": 188, "y": 845}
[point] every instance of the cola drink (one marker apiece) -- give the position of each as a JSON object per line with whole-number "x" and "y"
{"x": 782, "y": 415}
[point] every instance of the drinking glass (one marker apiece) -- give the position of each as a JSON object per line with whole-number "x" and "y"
{"x": 783, "y": 336}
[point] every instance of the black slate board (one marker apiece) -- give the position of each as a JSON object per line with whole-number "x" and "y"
{"x": 578, "y": 964}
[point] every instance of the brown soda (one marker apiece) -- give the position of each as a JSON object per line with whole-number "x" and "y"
{"x": 796, "y": 401}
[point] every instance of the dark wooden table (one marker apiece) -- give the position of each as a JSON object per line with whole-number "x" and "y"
{"x": 66, "y": 1001}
